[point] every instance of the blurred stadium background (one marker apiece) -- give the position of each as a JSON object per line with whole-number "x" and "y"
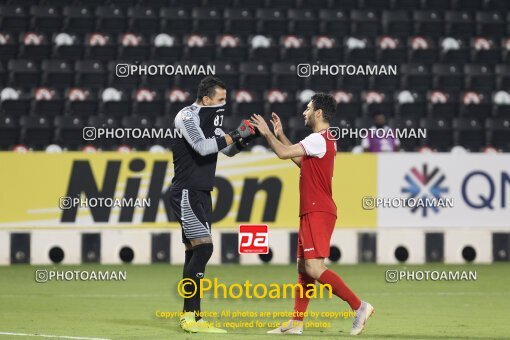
{"x": 57, "y": 76}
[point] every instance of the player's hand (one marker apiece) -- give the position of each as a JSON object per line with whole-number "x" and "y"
{"x": 244, "y": 130}
{"x": 277, "y": 125}
{"x": 260, "y": 124}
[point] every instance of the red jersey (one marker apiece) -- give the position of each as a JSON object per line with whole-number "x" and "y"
{"x": 316, "y": 178}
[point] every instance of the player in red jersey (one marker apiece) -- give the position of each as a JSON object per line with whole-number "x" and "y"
{"x": 315, "y": 155}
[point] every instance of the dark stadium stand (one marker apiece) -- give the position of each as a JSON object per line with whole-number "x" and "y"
{"x": 59, "y": 56}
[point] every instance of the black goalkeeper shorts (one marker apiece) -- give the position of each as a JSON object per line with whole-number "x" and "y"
{"x": 193, "y": 209}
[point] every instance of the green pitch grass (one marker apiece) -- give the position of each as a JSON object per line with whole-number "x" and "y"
{"x": 126, "y": 310}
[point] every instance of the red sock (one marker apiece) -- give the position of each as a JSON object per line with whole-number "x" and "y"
{"x": 301, "y": 303}
{"x": 339, "y": 288}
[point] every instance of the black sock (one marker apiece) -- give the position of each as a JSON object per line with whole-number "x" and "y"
{"x": 187, "y": 257}
{"x": 195, "y": 270}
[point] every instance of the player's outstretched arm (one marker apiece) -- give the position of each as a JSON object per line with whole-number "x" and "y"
{"x": 189, "y": 124}
{"x": 234, "y": 149}
{"x": 278, "y": 131}
{"x": 281, "y": 150}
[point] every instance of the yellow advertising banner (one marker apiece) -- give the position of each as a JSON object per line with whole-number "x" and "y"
{"x": 249, "y": 188}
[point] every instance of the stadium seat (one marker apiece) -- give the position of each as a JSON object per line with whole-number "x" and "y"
{"x": 406, "y": 144}
{"x": 231, "y": 48}
{"x": 175, "y": 20}
{"x": 271, "y": 20}
{"x": 208, "y": 20}
{"x": 285, "y": 77}
{"x": 81, "y": 102}
{"x": 16, "y": 107}
{"x": 448, "y": 77}
{"x": 137, "y": 122}
{"x": 13, "y": 18}
{"x": 335, "y": 21}
{"x": 227, "y": 72}
{"x": 412, "y": 110}
{"x": 456, "y": 55}
{"x": 78, "y": 19}
{"x": 111, "y": 19}
{"x": 46, "y": 18}
{"x": 71, "y": 52}
{"x": 459, "y": 24}
{"x": 439, "y": 133}
{"x": 23, "y": 73}
{"x": 9, "y": 132}
{"x": 446, "y": 107}
{"x": 3, "y": 75}
{"x": 100, "y": 46}
{"x": 164, "y": 122}
{"x": 129, "y": 50}
{"x": 496, "y": 5}
{"x": 396, "y": 23}
{"x": 104, "y": 121}
{"x": 436, "y": 4}
{"x": 319, "y": 4}
{"x": 200, "y": 53}
{"x": 490, "y": 24}
{"x": 49, "y": 105}
{"x": 407, "y": 5}
{"x": 36, "y": 131}
{"x": 8, "y": 47}
{"x": 34, "y": 46}
{"x": 469, "y": 133}
{"x": 471, "y": 5}
{"x": 117, "y": 107}
{"x": 349, "y": 107}
{"x": 264, "y": 53}
{"x": 503, "y": 76}
{"x": 485, "y": 51}
{"x": 243, "y": 107}
{"x": 302, "y": 22}
{"x": 475, "y": 105}
{"x": 239, "y": 21}
{"x": 254, "y": 76}
{"x": 151, "y": 106}
{"x": 428, "y": 23}
{"x": 327, "y": 50}
{"x": 416, "y": 77}
{"x": 57, "y": 73}
{"x": 69, "y": 131}
{"x": 365, "y": 23}
{"x": 359, "y": 55}
{"x": 348, "y": 142}
{"x": 479, "y": 77}
{"x": 171, "y": 50}
{"x": 285, "y": 107}
{"x": 187, "y": 3}
{"x": 499, "y": 133}
{"x": 143, "y": 20}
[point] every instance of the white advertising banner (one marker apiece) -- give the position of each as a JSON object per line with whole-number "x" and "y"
{"x": 443, "y": 190}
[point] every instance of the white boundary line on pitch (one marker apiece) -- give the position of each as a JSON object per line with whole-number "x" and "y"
{"x": 52, "y": 336}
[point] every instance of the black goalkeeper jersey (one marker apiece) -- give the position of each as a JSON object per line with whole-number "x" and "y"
{"x": 196, "y": 153}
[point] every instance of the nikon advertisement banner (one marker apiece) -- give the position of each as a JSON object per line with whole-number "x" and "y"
{"x": 116, "y": 190}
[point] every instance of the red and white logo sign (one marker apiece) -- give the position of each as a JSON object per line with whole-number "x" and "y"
{"x": 253, "y": 239}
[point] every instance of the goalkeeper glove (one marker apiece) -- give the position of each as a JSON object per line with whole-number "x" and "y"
{"x": 244, "y": 130}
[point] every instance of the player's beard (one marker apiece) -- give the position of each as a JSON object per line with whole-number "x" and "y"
{"x": 310, "y": 121}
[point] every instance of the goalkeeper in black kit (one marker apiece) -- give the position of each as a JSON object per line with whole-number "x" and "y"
{"x": 194, "y": 157}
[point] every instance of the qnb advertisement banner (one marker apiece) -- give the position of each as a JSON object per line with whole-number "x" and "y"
{"x": 444, "y": 190}
{"x": 79, "y": 190}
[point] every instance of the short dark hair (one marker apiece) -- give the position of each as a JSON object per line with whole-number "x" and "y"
{"x": 326, "y": 103}
{"x": 207, "y": 87}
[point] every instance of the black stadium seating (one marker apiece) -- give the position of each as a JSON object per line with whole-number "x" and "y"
{"x": 452, "y": 55}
